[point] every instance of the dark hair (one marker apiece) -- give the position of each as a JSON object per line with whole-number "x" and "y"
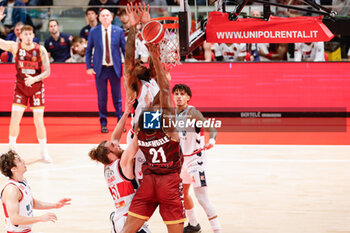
{"x": 77, "y": 39}
{"x": 7, "y": 162}
{"x": 52, "y": 20}
{"x": 182, "y": 87}
{"x": 91, "y": 9}
{"x": 27, "y": 28}
{"x": 100, "y": 153}
{"x": 121, "y": 11}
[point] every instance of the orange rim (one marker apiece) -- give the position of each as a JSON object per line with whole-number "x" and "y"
{"x": 168, "y": 25}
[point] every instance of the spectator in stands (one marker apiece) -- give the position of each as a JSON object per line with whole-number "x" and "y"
{"x": 230, "y": 52}
{"x": 276, "y": 52}
{"x": 309, "y": 51}
{"x": 256, "y": 13}
{"x": 160, "y": 11}
{"x": 342, "y": 7}
{"x": 124, "y": 19}
{"x": 14, "y": 36}
{"x": 91, "y": 15}
{"x": 77, "y": 52}
{"x": 14, "y": 14}
{"x": 58, "y": 44}
{"x": 102, "y": 4}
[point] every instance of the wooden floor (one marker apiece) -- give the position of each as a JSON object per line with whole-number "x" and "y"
{"x": 255, "y": 189}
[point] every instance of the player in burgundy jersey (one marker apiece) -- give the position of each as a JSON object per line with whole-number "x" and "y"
{"x": 32, "y": 66}
{"x": 161, "y": 184}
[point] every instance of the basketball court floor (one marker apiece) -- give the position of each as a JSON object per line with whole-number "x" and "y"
{"x": 255, "y": 188}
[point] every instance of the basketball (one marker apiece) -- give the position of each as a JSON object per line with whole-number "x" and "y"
{"x": 153, "y": 32}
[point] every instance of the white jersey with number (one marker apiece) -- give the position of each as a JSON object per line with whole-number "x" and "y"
{"x": 147, "y": 93}
{"x": 25, "y": 206}
{"x": 192, "y": 139}
{"x": 121, "y": 188}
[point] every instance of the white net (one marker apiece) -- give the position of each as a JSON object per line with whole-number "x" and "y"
{"x": 170, "y": 48}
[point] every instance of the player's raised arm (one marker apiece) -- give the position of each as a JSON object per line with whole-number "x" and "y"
{"x": 119, "y": 129}
{"x": 212, "y": 131}
{"x": 129, "y": 63}
{"x": 11, "y": 196}
{"x": 7, "y": 45}
{"x": 162, "y": 80}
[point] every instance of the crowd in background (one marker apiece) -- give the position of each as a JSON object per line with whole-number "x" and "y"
{"x": 64, "y": 47}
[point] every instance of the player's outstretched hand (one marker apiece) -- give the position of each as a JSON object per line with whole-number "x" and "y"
{"x": 2, "y": 10}
{"x": 29, "y": 80}
{"x": 133, "y": 14}
{"x": 48, "y": 217}
{"x": 153, "y": 49}
{"x": 63, "y": 202}
{"x": 144, "y": 13}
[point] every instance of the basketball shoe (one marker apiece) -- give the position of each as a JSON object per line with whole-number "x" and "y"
{"x": 192, "y": 229}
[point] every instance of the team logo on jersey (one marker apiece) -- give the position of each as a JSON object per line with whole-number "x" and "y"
{"x": 34, "y": 58}
{"x": 28, "y": 207}
{"x": 62, "y": 40}
{"x": 50, "y": 44}
{"x": 151, "y": 120}
{"x": 109, "y": 173}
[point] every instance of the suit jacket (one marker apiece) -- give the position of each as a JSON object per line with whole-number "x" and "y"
{"x": 95, "y": 41}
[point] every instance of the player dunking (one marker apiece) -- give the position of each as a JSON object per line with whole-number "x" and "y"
{"x": 32, "y": 65}
{"x": 16, "y": 196}
{"x": 193, "y": 169}
{"x": 119, "y": 173}
{"x": 161, "y": 184}
{"x": 138, "y": 78}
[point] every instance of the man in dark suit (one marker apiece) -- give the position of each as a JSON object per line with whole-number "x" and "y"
{"x": 108, "y": 41}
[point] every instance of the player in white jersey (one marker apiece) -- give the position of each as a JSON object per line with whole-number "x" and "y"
{"x": 138, "y": 78}
{"x": 193, "y": 170}
{"x": 309, "y": 51}
{"x": 119, "y": 173}
{"x": 17, "y": 199}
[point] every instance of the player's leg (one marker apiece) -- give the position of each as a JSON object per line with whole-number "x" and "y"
{"x": 142, "y": 206}
{"x": 187, "y": 179}
{"x": 38, "y": 114}
{"x": 175, "y": 228}
{"x": 170, "y": 197}
{"x": 203, "y": 199}
{"x": 132, "y": 224}
{"x": 16, "y": 117}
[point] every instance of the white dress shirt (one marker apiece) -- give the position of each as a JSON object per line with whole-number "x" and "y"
{"x": 109, "y": 29}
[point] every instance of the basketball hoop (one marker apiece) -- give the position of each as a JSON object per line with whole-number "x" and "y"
{"x": 169, "y": 46}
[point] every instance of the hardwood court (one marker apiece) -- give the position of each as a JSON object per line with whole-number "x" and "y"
{"x": 255, "y": 189}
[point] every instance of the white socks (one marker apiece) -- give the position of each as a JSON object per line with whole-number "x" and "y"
{"x": 215, "y": 225}
{"x": 44, "y": 152}
{"x": 191, "y": 217}
{"x": 12, "y": 143}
